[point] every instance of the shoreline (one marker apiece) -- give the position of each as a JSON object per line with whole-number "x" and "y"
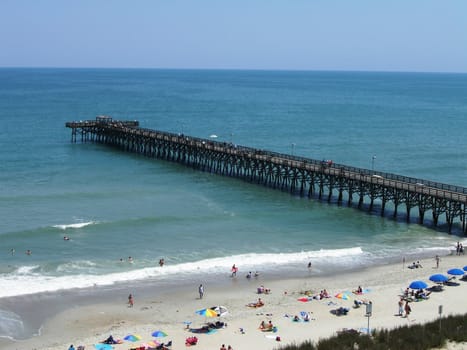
{"x": 87, "y": 318}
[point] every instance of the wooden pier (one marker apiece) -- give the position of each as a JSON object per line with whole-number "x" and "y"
{"x": 297, "y": 175}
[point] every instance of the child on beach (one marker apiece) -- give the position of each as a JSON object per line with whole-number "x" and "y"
{"x": 130, "y": 300}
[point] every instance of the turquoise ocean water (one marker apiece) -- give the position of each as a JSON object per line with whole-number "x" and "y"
{"x": 113, "y": 205}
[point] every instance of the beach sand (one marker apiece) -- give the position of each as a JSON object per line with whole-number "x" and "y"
{"x": 169, "y": 311}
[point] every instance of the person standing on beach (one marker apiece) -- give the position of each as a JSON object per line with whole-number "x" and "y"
{"x": 130, "y": 300}
{"x": 401, "y": 306}
{"x": 408, "y": 309}
{"x": 234, "y": 270}
{"x": 437, "y": 259}
{"x": 201, "y": 291}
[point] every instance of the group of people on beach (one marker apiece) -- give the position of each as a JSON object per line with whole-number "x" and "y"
{"x": 226, "y": 348}
{"x": 415, "y": 265}
{"x": 404, "y": 308}
{"x": 266, "y": 326}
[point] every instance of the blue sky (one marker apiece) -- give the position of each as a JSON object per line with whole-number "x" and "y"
{"x": 391, "y": 35}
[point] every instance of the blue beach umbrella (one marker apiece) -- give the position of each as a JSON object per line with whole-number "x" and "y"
{"x": 418, "y": 285}
{"x": 456, "y": 272}
{"x": 465, "y": 268}
{"x": 132, "y": 337}
{"x": 438, "y": 278}
{"x": 158, "y": 334}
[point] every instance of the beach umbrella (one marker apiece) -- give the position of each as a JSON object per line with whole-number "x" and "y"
{"x": 465, "y": 268}
{"x": 456, "y": 272}
{"x": 438, "y": 278}
{"x": 103, "y": 347}
{"x": 220, "y": 310}
{"x": 343, "y": 295}
{"x": 418, "y": 285}
{"x": 132, "y": 337}
{"x": 207, "y": 312}
{"x": 150, "y": 344}
{"x": 158, "y": 334}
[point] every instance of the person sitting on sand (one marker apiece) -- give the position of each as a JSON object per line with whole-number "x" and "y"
{"x": 262, "y": 325}
{"x": 259, "y": 303}
{"x": 296, "y": 318}
{"x": 421, "y": 294}
{"x": 359, "y": 290}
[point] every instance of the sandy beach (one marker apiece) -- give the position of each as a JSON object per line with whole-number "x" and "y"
{"x": 171, "y": 311}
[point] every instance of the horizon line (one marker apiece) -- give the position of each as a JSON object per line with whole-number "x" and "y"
{"x": 237, "y": 69}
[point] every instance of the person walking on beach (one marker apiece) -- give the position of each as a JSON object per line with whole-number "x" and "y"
{"x": 130, "y": 300}
{"x": 408, "y": 309}
{"x": 201, "y": 291}
{"x": 437, "y": 259}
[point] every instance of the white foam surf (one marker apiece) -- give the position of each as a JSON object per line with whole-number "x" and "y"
{"x": 83, "y": 274}
{"x": 75, "y": 225}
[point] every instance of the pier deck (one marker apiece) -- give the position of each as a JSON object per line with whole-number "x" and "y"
{"x": 298, "y": 175}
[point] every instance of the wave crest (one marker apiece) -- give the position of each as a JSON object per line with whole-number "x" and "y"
{"x": 75, "y": 225}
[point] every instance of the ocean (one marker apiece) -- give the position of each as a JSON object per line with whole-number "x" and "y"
{"x": 114, "y": 205}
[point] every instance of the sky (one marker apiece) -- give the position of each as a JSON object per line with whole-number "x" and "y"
{"x": 362, "y": 35}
